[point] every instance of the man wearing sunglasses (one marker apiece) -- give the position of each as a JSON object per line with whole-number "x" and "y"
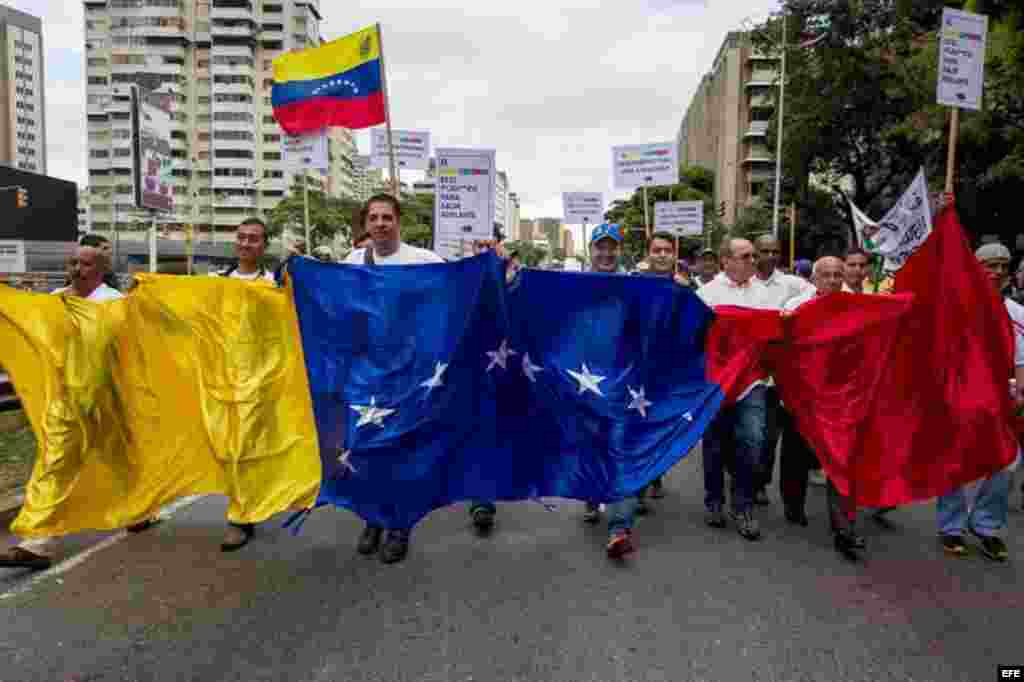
{"x": 737, "y": 433}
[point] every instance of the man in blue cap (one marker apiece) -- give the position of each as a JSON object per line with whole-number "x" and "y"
{"x": 605, "y": 251}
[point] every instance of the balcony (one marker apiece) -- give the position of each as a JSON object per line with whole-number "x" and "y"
{"x": 758, "y": 153}
{"x": 99, "y": 164}
{"x": 233, "y": 89}
{"x": 762, "y": 101}
{"x": 243, "y": 30}
{"x": 757, "y": 129}
{"x": 762, "y": 78}
{"x": 232, "y": 51}
{"x": 272, "y": 34}
{"x": 230, "y": 182}
{"x": 233, "y": 13}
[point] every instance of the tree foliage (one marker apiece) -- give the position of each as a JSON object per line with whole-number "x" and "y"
{"x": 860, "y": 108}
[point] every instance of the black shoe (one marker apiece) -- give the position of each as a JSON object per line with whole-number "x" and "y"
{"x": 395, "y": 547}
{"x": 761, "y": 498}
{"x": 18, "y": 557}
{"x": 592, "y": 514}
{"x": 746, "y": 525}
{"x": 714, "y": 518}
{"x": 880, "y": 518}
{"x": 237, "y": 536}
{"x": 992, "y": 547}
{"x": 797, "y": 517}
{"x": 846, "y": 545}
{"x": 954, "y": 545}
{"x": 857, "y": 539}
{"x": 369, "y": 539}
{"x": 483, "y": 519}
{"x": 143, "y": 525}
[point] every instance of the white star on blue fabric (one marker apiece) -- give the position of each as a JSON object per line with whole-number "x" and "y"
{"x": 639, "y": 402}
{"x": 687, "y": 416}
{"x": 588, "y": 381}
{"x": 334, "y": 85}
{"x": 435, "y": 381}
{"x": 371, "y": 414}
{"x": 530, "y": 369}
{"x": 500, "y": 357}
{"x": 343, "y": 460}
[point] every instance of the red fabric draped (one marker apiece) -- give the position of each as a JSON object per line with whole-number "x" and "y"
{"x": 736, "y": 346}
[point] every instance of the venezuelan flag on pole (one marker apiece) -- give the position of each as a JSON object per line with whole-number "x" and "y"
{"x": 337, "y": 84}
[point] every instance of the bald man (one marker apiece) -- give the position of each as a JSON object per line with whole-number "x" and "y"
{"x": 798, "y": 457}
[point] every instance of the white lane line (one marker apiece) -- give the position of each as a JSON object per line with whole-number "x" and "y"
{"x": 78, "y": 559}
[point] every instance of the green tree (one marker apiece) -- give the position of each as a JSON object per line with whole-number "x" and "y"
{"x": 328, "y": 216}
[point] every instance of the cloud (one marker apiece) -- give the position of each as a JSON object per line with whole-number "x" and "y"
{"x": 550, "y": 84}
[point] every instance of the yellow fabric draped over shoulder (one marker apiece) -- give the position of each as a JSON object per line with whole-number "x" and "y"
{"x": 186, "y": 386}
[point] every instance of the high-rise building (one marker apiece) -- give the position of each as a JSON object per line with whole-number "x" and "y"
{"x": 726, "y": 124}
{"x": 501, "y": 201}
{"x": 367, "y": 181}
{"x": 215, "y": 56}
{"x": 512, "y": 221}
{"x": 22, "y": 100}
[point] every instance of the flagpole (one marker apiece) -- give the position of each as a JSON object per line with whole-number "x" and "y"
{"x": 387, "y": 116}
{"x": 792, "y": 238}
{"x": 778, "y": 141}
{"x": 305, "y": 209}
{"x": 954, "y": 134}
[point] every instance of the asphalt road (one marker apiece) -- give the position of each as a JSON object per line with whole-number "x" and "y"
{"x": 536, "y": 600}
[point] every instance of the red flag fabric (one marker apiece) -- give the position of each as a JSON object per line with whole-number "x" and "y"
{"x": 736, "y": 345}
{"x": 942, "y": 415}
{"x": 830, "y": 368}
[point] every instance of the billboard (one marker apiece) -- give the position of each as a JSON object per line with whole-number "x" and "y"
{"x": 52, "y": 211}
{"x": 153, "y": 161}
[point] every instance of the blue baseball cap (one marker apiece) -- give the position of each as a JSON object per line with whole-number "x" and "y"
{"x": 606, "y": 230}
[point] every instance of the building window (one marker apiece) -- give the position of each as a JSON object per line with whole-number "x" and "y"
{"x": 271, "y": 138}
{"x": 272, "y": 156}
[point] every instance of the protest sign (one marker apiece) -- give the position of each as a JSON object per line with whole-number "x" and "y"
{"x": 903, "y": 229}
{"x": 412, "y": 148}
{"x": 962, "y": 59}
{"x": 681, "y": 218}
{"x": 306, "y": 151}
{"x": 464, "y": 205}
{"x": 645, "y": 165}
{"x": 582, "y": 207}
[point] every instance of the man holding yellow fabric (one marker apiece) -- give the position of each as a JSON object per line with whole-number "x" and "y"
{"x": 88, "y": 268}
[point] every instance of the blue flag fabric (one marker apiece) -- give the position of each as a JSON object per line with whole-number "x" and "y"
{"x": 433, "y": 384}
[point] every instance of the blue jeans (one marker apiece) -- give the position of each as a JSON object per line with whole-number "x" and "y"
{"x": 990, "y": 508}
{"x": 621, "y": 514}
{"x": 734, "y": 441}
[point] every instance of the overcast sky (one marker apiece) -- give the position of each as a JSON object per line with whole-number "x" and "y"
{"x": 550, "y": 84}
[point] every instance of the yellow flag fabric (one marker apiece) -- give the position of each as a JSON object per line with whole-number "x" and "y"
{"x": 187, "y": 386}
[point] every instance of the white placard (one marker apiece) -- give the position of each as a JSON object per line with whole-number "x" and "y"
{"x": 639, "y": 165}
{"x": 962, "y": 59}
{"x": 681, "y": 218}
{"x": 12, "y": 256}
{"x": 582, "y": 207}
{"x": 412, "y": 148}
{"x": 305, "y": 151}
{"x": 464, "y": 199}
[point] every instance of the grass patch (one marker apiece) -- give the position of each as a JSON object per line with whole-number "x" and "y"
{"x": 17, "y": 455}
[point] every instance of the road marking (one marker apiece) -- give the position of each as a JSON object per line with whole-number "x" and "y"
{"x": 76, "y": 560}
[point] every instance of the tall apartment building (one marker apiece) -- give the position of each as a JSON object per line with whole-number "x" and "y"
{"x": 366, "y": 180}
{"x": 215, "y": 56}
{"x": 512, "y": 230}
{"x": 501, "y": 200}
{"x": 22, "y": 100}
{"x": 725, "y": 127}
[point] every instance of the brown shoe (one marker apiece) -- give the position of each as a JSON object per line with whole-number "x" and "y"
{"x": 143, "y": 525}
{"x": 19, "y": 557}
{"x": 237, "y": 536}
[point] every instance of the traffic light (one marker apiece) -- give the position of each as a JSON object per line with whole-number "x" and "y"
{"x": 21, "y": 200}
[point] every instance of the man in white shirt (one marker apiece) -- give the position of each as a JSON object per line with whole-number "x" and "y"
{"x": 87, "y": 268}
{"x": 782, "y": 288}
{"x": 381, "y": 220}
{"x": 741, "y": 425}
{"x": 986, "y": 518}
{"x": 250, "y": 247}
